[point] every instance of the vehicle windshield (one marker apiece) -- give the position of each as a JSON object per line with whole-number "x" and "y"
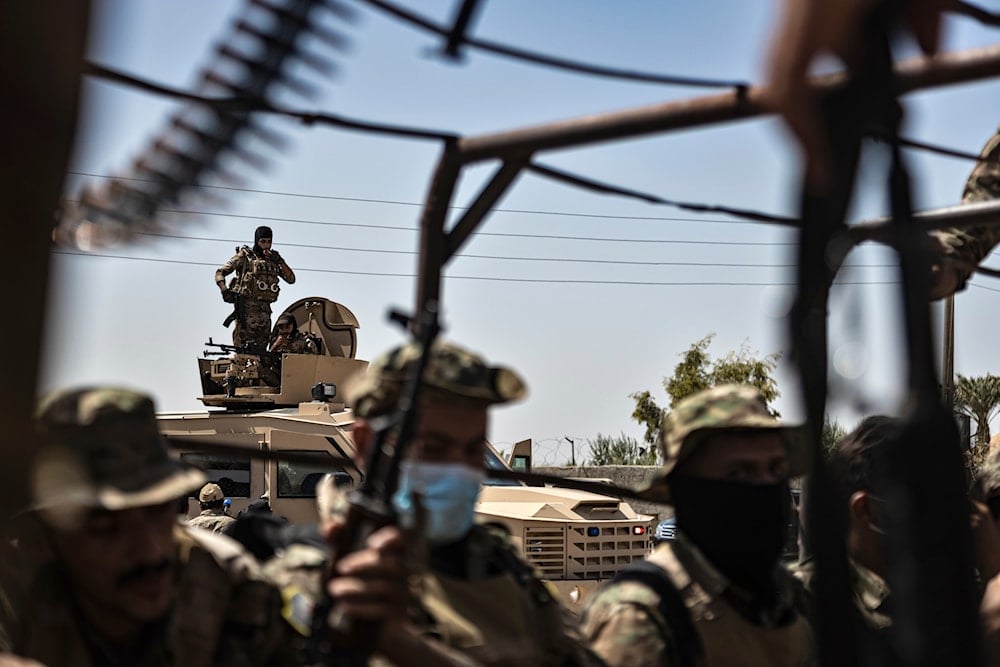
{"x": 493, "y": 462}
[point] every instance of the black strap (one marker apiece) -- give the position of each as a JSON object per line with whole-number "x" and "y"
{"x": 685, "y": 645}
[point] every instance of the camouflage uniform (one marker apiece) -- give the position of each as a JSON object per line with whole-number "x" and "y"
{"x": 626, "y": 621}
{"x": 225, "y": 614}
{"x": 476, "y": 598}
{"x": 256, "y": 283}
{"x": 102, "y": 455}
{"x": 211, "y": 518}
{"x": 214, "y": 520}
{"x": 870, "y": 592}
{"x": 971, "y": 245}
{"x": 625, "y": 626}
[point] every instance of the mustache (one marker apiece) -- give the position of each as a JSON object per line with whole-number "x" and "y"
{"x": 139, "y": 572}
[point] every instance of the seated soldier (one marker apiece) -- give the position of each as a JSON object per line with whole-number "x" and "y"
{"x": 285, "y": 338}
{"x": 288, "y": 338}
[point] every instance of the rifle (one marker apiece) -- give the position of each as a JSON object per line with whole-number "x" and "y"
{"x": 369, "y": 506}
{"x": 237, "y": 314}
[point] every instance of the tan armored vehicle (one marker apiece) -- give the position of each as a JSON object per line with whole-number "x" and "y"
{"x": 298, "y": 432}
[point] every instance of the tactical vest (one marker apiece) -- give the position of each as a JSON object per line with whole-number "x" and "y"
{"x": 259, "y": 279}
{"x": 727, "y": 637}
{"x": 506, "y": 619}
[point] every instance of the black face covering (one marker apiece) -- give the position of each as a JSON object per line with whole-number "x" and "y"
{"x": 739, "y": 527}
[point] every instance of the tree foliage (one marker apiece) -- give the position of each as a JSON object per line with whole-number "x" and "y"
{"x": 833, "y": 433}
{"x": 697, "y": 370}
{"x": 622, "y": 450}
{"x": 979, "y": 398}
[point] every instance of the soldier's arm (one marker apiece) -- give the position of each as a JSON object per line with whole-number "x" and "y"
{"x": 227, "y": 268}
{"x": 286, "y": 271}
{"x": 623, "y": 630}
{"x": 961, "y": 250}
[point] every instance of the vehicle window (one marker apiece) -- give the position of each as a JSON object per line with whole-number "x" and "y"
{"x": 493, "y": 462}
{"x": 298, "y": 476}
{"x": 230, "y": 472}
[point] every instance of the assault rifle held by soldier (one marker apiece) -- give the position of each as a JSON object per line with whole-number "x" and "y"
{"x": 370, "y": 505}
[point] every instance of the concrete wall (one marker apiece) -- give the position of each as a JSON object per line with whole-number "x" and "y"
{"x": 632, "y": 477}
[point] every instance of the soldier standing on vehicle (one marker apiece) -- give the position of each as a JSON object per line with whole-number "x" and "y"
{"x": 254, "y": 288}
{"x": 473, "y": 601}
{"x": 121, "y": 581}
{"x": 715, "y": 594}
{"x": 213, "y": 515}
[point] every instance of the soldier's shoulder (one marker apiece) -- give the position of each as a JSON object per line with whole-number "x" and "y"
{"x": 226, "y": 553}
{"x": 619, "y": 593}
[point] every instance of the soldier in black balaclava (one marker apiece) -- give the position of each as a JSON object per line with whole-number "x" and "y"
{"x": 254, "y": 288}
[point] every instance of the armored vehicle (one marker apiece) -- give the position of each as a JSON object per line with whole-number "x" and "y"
{"x": 296, "y": 432}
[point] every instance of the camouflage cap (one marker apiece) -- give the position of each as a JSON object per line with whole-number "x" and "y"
{"x": 452, "y": 373}
{"x": 724, "y": 407}
{"x": 101, "y": 449}
{"x": 211, "y": 493}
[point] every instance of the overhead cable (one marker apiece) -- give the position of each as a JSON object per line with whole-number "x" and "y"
{"x": 237, "y": 103}
{"x": 556, "y": 281}
{"x": 552, "y": 61}
{"x": 605, "y": 188}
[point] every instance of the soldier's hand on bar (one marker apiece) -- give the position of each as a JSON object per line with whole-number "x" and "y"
{"x": 808, "y": 29}
{"x": 946, "y": 276}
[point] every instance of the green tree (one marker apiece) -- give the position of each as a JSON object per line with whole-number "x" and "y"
{"x": 979, "y": 398}
{"x": 697, "y": 371}
{"x": 833, "y": 433}
{"x": 622, "y": 450}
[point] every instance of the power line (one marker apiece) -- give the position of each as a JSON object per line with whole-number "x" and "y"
{"x": 575, "y": 260}
{"x": 245, "y": 104}
{"x": 561, "y": 237}
{"x": 553, "y": 281}
{"x": 419, "y": 204}
{"x": 606, "y": 188}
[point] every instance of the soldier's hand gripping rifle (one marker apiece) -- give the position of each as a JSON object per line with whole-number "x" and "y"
{"x": 334, "y": 638}
{"x": 229, "y": 295}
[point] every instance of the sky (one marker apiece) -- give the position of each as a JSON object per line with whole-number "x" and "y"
{"x": 590, "y": 297}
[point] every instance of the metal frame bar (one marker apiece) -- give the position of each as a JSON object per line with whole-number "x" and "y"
{"x": 437, "y": 248}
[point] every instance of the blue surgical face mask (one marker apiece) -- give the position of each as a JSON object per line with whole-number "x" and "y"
{"x": 447, "y": 493}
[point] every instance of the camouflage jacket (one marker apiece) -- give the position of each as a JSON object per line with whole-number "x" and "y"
{"x": 971, "y": 245}
{"x": 225, "y": 613}
{"x": 214, "y": 520}
{"x": 869, "y": 591}
{"x": 495, "y": 612}
{"x": 256, "y": 275}
{"x": 626, "y": 628}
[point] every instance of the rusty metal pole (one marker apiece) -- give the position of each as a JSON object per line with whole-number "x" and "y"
{"x": 948, "y": 355}
{"x": 43, "y": 48}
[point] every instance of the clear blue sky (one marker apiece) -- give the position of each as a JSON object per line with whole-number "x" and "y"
{"x": 583, "y": 348}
